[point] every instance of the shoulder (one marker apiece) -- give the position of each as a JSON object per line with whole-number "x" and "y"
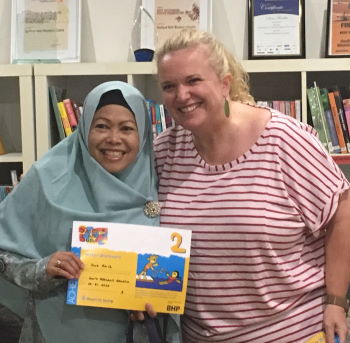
{"x": 287, "y": 130}
{"x": 172, "y": 139}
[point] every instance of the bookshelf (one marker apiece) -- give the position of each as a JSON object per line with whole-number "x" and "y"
{"x": 269, "y": 79}
{"x": 78, "y": 80}
{"x": 17, "y": 128}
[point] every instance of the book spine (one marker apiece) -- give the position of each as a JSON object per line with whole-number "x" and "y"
{"x": 56, "y": 111}
{"x": 346, "y": 103}
{"x": 337, "y": 124}
{"x": 77, "y": 110}
{"x": 70, "y": 113}
{"x": 292, "y": 109}
{"x": 298, "y": 109}
{"x": 342, "y": 118}
{"x": 158, "y": 120}
{"x": 323, "y": 119}
{"x": 67, "y": 129}
{"x": 162, "y": 116}
{"x": 316, "y": 116}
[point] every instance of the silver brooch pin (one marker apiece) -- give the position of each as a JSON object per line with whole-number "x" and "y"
{"x": 152, "y": 209}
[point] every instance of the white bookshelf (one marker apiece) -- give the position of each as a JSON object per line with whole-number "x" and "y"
{"x": 17, "y": 115}
{"x": 287, "y": 78}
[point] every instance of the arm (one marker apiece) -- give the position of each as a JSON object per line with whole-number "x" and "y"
{"x": 338, "y": 267}
{"x": 27, "y": 273}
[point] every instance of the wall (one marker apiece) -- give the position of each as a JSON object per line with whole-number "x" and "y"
{"x": 107, "y": 24}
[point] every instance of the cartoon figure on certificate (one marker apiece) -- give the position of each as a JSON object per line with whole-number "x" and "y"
{"x": 149, "y": 266}
{"x": 173, "y": 277}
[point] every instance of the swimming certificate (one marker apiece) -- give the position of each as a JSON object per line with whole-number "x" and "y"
{"x": 127, "y": 266}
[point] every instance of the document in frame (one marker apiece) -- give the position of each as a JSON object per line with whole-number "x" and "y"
{"x": 127, "y": 266}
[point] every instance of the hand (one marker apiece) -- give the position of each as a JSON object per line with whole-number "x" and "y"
{"x": 335, "y": 323}
{"x": 140, "y": 316}
{"x": 64, "y": 264}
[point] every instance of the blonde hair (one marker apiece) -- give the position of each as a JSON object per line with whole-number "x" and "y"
{"x": 220, "y": 59}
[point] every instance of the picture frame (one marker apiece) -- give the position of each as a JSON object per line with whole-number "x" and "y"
{"x": 276, "y": 29}
{"x": 338, "y": 28}
{"x": 45, "y": 31}
{"x": 170, "y": 16}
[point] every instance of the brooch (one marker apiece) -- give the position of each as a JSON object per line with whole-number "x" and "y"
{"x": 152, "y": 209}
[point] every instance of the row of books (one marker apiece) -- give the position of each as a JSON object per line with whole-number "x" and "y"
{"x": 160, "y": 117}
{"x": 330, "y": 113}
{"x": 66, "y": 111}
{"x": 289, "y": 107}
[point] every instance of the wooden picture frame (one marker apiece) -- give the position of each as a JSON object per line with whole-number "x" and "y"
{"x": 338, "y": 28}
{"x": 45, "y": 31}
{"x": 276, "y": 30}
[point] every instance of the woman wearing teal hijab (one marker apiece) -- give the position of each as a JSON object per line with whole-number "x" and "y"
{"x": 36, "y": 218}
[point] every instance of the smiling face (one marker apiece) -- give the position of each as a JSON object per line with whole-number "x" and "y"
{"x": 192, "y": 91}
{"x": 113, "y": 138}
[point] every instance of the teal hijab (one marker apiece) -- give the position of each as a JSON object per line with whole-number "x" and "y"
{"x": 68, "y": 184}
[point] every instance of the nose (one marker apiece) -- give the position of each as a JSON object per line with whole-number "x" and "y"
{"x": 114, "y": 137}
{"x": 182, "y": 92}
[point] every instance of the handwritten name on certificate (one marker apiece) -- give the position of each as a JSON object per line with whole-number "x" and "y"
{"x": 127, "y": 266}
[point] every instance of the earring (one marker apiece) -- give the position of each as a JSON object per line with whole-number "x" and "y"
{"x": 226, "y": 108}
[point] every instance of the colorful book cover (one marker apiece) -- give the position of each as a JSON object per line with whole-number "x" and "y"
{"x": 64, "y": 117}
{"x": 127, "y": 266}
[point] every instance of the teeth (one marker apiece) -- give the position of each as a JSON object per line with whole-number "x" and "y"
{"x": 189, "y": 108}
{"x": 113, "y": 153}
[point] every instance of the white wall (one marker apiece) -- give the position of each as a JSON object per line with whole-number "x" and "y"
{"x": 107, "y": 24}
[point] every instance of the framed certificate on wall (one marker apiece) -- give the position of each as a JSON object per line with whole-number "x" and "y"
{"x": 276, "y": 29}
{"x": 171, "y": 16}
{"x": 45, "y": 30}
{"x": 338, "y": 28}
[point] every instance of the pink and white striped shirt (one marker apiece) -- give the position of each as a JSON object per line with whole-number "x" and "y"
{"x": 257, "y": 256}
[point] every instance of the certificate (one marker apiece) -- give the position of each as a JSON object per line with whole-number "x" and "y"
{"x": 338, "y": 28}
{"x": 127, "y": 266}
{"x": 171, "y": 16}
{"x": 45, "y": 30}
{"x": 276, "y": 29}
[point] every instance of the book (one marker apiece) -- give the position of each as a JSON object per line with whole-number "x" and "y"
{"x": 342, "y": 116}
{"x": 78, "y": 110}
{"x": 55, "y": 95}
{"x": 337, "y": 124}
{"x": 345, "y": 95}
{"x": 323, "y": 118}
{"x": 64, "y": 117}
{"x": 70, "y": 113}
{"x": 298, "y": 109}
{"x": 128, "y": 265}
{"x": 316, "y": 116}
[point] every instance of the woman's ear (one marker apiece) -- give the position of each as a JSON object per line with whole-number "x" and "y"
{"x": 226, "y": 84}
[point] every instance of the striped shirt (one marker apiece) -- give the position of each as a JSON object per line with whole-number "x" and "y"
{"x": 257, "y": 256}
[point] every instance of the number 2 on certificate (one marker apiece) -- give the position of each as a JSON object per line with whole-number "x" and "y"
{"x": 178, "y": 240}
